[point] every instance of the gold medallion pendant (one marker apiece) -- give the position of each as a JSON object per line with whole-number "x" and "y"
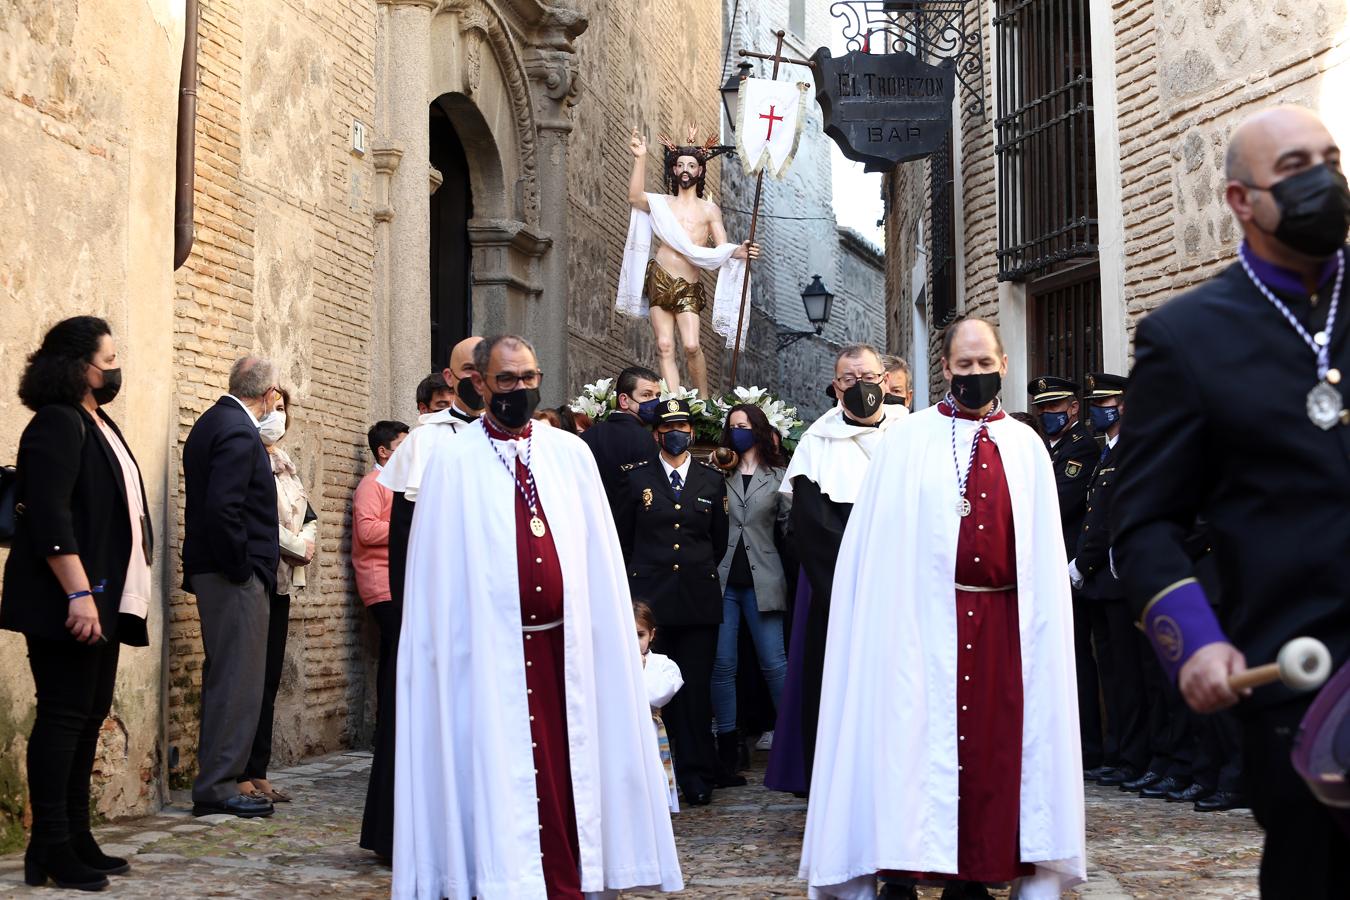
{"x": 537, "y": 527}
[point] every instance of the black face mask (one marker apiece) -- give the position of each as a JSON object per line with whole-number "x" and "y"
{"x": 468, "y": 394}
{"x": 863, "y": 399}
{"x": 893, "y": 400}
{"x": 514, "y": 408}
{"x": 112, "y": 384}
{"x": 974, "y": 391}
{"x": 676, "y": 442}
{"x": 1314, "y": 211}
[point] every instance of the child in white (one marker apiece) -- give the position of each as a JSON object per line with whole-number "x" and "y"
{"x": 662, "y": 677}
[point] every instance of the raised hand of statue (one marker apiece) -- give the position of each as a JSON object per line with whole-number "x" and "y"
{"x": 746, "y": 250}
{"x": 637, "y": 143}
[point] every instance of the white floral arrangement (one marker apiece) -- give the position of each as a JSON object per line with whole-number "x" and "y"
{"x": 781, "y": 416}
{"x": 597, "y": 399}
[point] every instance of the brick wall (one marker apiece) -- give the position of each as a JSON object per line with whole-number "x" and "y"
{"x": 282, "y": 266}
{"x": 1186, "y": 73}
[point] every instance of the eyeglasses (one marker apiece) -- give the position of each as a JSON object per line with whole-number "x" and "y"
{"x": 509, "y": 381}
{"x": 848, "y": 381}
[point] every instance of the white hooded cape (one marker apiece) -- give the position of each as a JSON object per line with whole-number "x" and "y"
{"x": 884, "y": 787}
{"x": 834, "y": 453}
{"x": 466, "y": 822}
{"x": 637, "y": 249}
{"x": 403, "y": 473}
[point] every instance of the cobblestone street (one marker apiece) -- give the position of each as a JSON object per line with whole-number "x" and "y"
{"x": 744, "y": 845}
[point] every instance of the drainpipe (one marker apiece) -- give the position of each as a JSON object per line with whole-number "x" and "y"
{"x": 187, "y": 140}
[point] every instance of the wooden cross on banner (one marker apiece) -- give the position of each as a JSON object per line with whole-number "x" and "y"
{"x": 778, "y": 59}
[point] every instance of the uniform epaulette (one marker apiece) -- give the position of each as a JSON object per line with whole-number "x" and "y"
{"x": 628, "y": 467}
{"x": 708, "y": 465}
{"x": 1078, "y": 436}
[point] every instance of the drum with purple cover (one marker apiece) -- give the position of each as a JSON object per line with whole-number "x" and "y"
{"x": 1322, "y": 749}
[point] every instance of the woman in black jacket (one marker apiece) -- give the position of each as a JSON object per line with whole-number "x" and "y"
{"x": 77, "y": 585}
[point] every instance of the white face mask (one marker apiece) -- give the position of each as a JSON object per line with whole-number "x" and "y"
{"x": 272, "y": 427}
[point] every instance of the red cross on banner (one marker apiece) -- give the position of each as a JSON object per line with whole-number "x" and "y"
{"x": 772, "y": 118}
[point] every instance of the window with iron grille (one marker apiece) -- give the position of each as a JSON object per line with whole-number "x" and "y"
{"x": 942, "y": 200}
{"x": 1064, "y": 323}
{"x": 1047, "y": 204}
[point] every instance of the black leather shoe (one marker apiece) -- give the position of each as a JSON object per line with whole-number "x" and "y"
{"x": 1159, "y": 790}
{"x": 1191, "y": 794}
{"x": 238, "y": 805}
{"x": 59, "y": 863}
{"x": 696, "y": 792}
{"x": 1097, "y": 773}
{"x": 898, "y": 892}
{"x": 1117, "y": 776}
{"x": 965, "y": 890}
{"x": 87, "y": 851}
{"x": 1221, "y": 800}
{"x": 1138, "y": 784}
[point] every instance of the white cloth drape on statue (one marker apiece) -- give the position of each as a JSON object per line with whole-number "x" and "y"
{"x": 884, "y": 787}
{"x": 637, "y": 249}
{"x": 466, "y": 822}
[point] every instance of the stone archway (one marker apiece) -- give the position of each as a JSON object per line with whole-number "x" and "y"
{"x": 502, "y": 71}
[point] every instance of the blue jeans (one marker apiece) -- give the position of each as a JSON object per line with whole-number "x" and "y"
{"x": 766, "y": 630}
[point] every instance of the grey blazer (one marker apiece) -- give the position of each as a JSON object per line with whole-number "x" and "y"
{"x": 753, "y": 515}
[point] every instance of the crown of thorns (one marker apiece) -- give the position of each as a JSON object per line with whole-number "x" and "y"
{"x": 704, "y": 152}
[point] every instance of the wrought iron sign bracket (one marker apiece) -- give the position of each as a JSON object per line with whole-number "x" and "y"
{"x": 931, "y": 30}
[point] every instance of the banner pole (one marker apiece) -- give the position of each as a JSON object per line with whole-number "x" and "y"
{"x": 754, "y": 224}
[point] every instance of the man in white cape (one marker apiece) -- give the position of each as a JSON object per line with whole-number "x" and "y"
{"x": 666, "y": 288}
{"x": 948, "y": 745}
{"x": 526, "y": 763}
{"x": 823, "y": 479}
{"x": 402, "y": 474}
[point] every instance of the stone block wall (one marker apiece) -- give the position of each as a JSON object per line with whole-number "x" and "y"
{"x": 282, "y": 266}
{"x": 653, "y": 64}
{"x": 88, "y": 97}
{"x": 1187, "y": 72}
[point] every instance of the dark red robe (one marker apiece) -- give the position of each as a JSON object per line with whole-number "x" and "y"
{"x": 988, "y": 679}
{"x": 541, "y": 602}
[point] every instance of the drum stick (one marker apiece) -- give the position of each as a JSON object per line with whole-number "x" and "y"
{"x": 1303, "y": 664}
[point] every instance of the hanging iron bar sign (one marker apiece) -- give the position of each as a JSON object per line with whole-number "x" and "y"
{"x": 883, "y": 109}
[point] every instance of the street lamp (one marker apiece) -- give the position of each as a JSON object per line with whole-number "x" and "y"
{"x": 819, "y": 302}
{"x": 731, "y": 92}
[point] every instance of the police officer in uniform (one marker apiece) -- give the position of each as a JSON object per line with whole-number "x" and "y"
{"x": 1073, "y": 453}
{"x": 1238, "y": 414}
{"x": 671, "y": 515}
{"x": 624, "y": 436}
{"x": 1119, "y": 647}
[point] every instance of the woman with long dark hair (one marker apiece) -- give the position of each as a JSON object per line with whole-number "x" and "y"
{"x": 77, "y": 585}
{"x": 753, "y": 585}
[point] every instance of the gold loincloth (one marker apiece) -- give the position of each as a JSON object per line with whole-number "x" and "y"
{"x": 672, "y": 293}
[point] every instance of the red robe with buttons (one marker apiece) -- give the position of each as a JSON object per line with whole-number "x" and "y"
{"x": 541, "y": 602}
{"x": 988, "y": 678}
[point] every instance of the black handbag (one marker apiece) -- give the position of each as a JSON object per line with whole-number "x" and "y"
{"x": 9, "y": 501}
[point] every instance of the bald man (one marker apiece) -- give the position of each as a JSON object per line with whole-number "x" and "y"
{"x": 402, "y": 474}
{"x": 1236, "y": 412}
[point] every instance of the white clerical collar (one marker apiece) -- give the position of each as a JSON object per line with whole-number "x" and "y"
{"x": 683, "y": 469}
{"x": 251, "y": 417}
{"x": 1111, "y": 442}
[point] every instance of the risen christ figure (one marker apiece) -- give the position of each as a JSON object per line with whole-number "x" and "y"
{"x": 692, "y": 237}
